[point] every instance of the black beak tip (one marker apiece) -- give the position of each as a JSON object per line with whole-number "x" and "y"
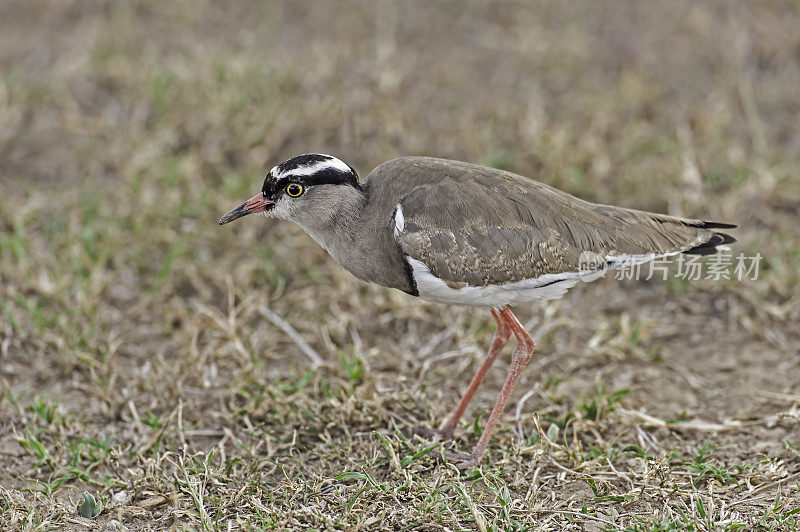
{"x": 238, "y": 212}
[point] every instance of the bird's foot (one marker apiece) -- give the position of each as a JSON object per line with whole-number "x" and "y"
{"x": 461, "y": 460}
{"x": 433, "y": 434}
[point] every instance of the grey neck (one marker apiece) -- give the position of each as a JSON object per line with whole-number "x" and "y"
{"x": 359, "y": 237}
{"x": 337, "y": 225}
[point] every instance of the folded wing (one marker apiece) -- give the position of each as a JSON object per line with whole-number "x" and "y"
{"x": 498, "y": 228}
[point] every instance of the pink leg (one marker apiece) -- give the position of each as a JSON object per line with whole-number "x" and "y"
{"x": 498, "y": 343}
{"x": 522, "y": 354}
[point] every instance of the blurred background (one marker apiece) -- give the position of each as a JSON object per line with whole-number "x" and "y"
{"x": 128, "y": 128}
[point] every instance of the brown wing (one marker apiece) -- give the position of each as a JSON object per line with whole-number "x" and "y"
{"x": 496, "y": 227}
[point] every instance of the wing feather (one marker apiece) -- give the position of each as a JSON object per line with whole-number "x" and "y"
{"x": 497, "y": 228}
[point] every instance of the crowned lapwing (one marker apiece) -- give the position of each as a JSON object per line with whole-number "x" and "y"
{"x": 458, "y": 233}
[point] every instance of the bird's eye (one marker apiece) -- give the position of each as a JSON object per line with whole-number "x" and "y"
{"x": 294, "y": 190}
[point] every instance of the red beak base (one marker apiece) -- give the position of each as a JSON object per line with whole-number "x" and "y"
{"x": 257, "y": 203}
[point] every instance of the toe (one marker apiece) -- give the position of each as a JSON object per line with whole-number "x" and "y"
{"x": 425, "y": 432}
{"x": 440, "y": 434}
{"x": 461, "y": 460}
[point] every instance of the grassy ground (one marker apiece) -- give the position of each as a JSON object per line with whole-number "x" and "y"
{"x": 137, "y": 359}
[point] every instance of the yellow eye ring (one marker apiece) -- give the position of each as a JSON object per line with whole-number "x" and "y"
{"x": 294, "y": 190}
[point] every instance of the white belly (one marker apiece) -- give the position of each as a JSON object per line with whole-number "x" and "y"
{"x": 548, "y": 286}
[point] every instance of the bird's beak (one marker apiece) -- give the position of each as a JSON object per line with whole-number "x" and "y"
{"x": 257, "y": 203}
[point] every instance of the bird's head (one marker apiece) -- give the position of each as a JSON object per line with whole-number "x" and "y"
{"x": 298, "y": 187}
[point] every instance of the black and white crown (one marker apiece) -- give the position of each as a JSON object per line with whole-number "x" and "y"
{"x": 310, "y": 169}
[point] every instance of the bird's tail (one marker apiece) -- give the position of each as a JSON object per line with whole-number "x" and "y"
{"x": 715, "y": 239}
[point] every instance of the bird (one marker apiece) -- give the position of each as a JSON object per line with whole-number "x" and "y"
{"x": 458, "y": 233}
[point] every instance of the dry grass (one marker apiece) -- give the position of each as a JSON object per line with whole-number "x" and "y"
{"x": 137, "y": 363}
